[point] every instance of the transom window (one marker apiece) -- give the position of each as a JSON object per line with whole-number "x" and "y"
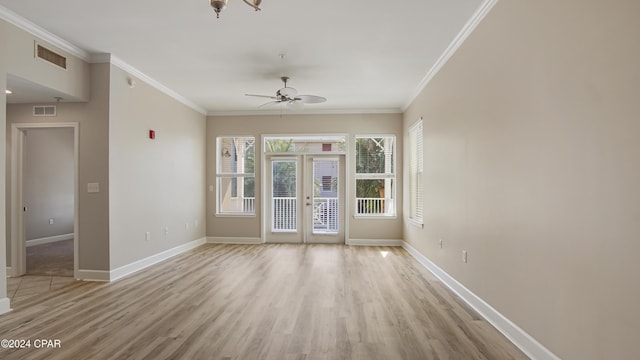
{"x": 305, "y": 144}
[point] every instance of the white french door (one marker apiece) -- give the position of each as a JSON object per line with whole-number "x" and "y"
{"x": 306, "y": 199}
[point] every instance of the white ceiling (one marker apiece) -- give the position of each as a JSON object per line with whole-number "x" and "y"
{"x": 361, "y": 55}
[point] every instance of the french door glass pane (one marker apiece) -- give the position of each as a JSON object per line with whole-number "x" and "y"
{"x": 325, "y": 197}
{"x": 284, "y": 195}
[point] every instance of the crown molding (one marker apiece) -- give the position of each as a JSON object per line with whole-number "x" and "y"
{"x": 113, "y": 60}
{"x": 467, "y": 29}
{"x": 35, "y": 30}
{"x": 288, "y": 112}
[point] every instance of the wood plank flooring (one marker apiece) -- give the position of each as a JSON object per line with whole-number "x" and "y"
{"x": 54, "y": 259}
{"x": 260, "y": 302}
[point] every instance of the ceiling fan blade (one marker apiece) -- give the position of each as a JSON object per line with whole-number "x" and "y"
{"x": 311, "y": 99}
{"x": 262, "y": 96}
{"x": 270, "y": 103}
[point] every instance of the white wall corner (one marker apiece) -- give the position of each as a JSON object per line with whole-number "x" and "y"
{"x": 153, "y": 259}
{"x": 234, "y": 240}
{"x": 467, "y": 29}
{"x": 525, "y": 342}
{"x": 374, "y": 242}
{"x": 5, "y": 305}
{"x": 101, "y": 58}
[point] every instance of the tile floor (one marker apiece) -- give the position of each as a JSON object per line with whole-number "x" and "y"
{"x": 20, "y": 289}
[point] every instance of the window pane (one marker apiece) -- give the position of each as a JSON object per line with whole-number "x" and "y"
{"x": 237, "y": 155}
{"x": 305, "y": 144}
{"x": 374, "y": 155}
{"x": 236, "y": 195}
{"x": 283, "y": 196}
{"x": 235, "y": 175}
{"x": 326, "y": 210}
{"x": 284, "y": 178}
{"x": 375, "y": 197}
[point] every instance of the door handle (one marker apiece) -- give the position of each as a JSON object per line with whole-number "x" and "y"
{"x": 308, "y": 204}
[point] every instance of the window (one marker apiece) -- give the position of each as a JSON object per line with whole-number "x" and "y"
{"x": 375, "y": 176}
{"x": 305, "y": 144}
{"x": 415, "y": 172}
{"x": 235, "y": 175}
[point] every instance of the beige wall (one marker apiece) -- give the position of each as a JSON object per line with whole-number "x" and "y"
{"x": 49, "y": 172}
{"x": 20, "y": 45}
{"x": 93, "y": 208}
{"x": 257, "y": 126}
{"x": 153, "y": 183}
{"x": 532, "y": 164}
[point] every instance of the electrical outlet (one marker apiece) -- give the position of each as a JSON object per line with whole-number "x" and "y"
{"x": 440, "y": 243}
{"x": 166, "y": 230}
{"x": 50, "y": 221}
{"x": 147, "y": 236}
{"x": 464, "y": 256}
{"x": 186, "y": 226}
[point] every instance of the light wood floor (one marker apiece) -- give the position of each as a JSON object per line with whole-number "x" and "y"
{"x": 54, "y": 259}
{"x": 260, "y": 302}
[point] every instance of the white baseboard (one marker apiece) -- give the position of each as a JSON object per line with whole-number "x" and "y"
{"x": 93, "y": 275}
{"x": 153, "y": 259}
{"x": 49, "y": 239}
{"x": 525, "y": 342}
{"x": 374, "y": 242}
{"x": 103, "y": 275}
{"x": 233, "y": 240}
{"x": 5, "y": 305}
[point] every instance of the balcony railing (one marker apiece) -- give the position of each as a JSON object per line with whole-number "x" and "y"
{"x": 325, "y": 214}
{"x": 284, "y": 213}
{"x": 370, "y": 206}
{"x": 249, "y": 205}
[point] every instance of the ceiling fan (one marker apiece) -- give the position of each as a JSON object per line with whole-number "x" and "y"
{"x": 289, "y": 96}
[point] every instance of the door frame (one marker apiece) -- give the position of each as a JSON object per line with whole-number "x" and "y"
{"x": 18, "y": 241}
{"x": 265, "y": 187}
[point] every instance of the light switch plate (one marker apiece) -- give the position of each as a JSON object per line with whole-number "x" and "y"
{"x": 93, "y": 187}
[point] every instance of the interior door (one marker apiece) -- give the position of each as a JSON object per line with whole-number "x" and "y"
{"x": 305, "y": 199}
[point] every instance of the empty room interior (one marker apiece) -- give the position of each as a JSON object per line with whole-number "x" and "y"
{"x": 297, "y": 180}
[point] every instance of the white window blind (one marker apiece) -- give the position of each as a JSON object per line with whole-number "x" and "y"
{"x": 416, "y": 166}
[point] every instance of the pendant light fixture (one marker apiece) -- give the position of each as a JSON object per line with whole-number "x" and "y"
{"x": 219, "y": 5}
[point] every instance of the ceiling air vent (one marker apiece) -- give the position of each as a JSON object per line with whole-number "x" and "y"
{"x": 44, "y": 110}
{"x": 50, "y": 56}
